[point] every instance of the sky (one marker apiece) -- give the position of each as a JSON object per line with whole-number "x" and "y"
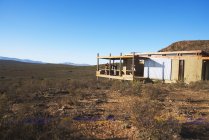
{"x": 75, "y": 31}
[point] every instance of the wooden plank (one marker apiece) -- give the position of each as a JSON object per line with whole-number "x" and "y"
{"x": 133, "y": 65}
{"x": 97, "y": 61}
{"x": 147, "y": 57}
{"x": 205, "y": 58}
{"x": 124, "y": 77}
{"x": 174, "y": 57}
{"x": 110, "y": 65}
{"x": 97, "y": 64}
{"x": 120, "y": 66}
{"x": 115, "y": 57}
{"x": 171, "y": 52}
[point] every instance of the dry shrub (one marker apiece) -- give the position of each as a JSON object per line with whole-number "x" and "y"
{"x": 103, "y": 84}
{"x": 34, "y": 123}
{"x": 177, "y": 85}
{"x": 121, "y": 86}
{"x": 69, "y": 100}
{"x": 195, "y": 130}
{"x": 3, "y": 104}
{"x": 85, "y": 84}
{"x": 149, "y": 128}
{"x": 154, "y": 91}
{"x": 39, "y": 125}
{"x": 75, "y": 84}
{"x": 127, "y": 87}
{"x": 200, "y": 85}
{"x": 29, "y": 127}
{"x": 147, "y": 111}
{"x": 136, "y": 88}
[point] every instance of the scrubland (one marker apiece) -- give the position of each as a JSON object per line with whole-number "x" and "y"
{"x": 66, "y": 102}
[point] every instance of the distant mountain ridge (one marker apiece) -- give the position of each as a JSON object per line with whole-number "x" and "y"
{"x": 74, "y": 64}
{"x": 39, "y": 62}
{"x": 188, "y": 45}
{"x": 21, "y": 60}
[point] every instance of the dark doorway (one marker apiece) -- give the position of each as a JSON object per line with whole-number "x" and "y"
{"x": 140, "y": 68}
{"x": 205, "y": 70}
{"x": 181, "y": 70}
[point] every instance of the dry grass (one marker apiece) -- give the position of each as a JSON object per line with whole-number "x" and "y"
{"x": 48, "y": 103}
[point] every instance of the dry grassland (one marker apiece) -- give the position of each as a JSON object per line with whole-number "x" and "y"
{"x": 66, "y": 102}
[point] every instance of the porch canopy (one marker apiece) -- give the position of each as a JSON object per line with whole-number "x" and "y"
{"x": 121, "y": 57}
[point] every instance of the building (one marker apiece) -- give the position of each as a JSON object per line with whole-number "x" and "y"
{"x": 187, "y": 66}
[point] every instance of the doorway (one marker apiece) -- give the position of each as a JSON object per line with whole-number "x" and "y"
{"x": 205, "y": 70}
{"x": 181, "y": 70}
{"x": 140, "y": 68}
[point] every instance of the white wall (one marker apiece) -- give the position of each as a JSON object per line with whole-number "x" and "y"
{"x": 157, "y": 68}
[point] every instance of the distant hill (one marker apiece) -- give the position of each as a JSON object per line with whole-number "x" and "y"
{"x": 39, "y": 62}
{"x": 188, "y": 45}
{"x": 21, "y": 60}
{"x": 74, "y": 64}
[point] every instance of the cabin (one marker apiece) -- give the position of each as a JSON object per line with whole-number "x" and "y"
{"x": 185, "y": 66}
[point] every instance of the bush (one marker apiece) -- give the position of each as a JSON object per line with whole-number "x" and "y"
{"x": 200, "y": 85}
{"x": 154, "y": 91}
{"x": 3, "y": 104}
{"x": 127, "y": 87}
{"x": 150, "y": 128}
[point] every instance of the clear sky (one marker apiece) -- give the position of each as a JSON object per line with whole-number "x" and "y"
{"x": 75, "y": 30}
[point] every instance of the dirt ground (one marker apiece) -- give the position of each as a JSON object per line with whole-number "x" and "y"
{"x": 103, "y": 113}
{"x": 34, "y": 106}
{"x": 114, "y": 118}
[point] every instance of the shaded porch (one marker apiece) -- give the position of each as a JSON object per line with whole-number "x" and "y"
{"x": 123, "y": 67}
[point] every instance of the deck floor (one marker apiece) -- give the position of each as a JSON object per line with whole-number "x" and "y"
{"x": 123, "y": 77}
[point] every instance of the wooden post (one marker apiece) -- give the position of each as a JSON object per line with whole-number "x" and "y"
{"x": 97, "y": 64}
{"x": 120, "y": 66}
{"x": 133, "y": 66}
{"x": 97, "y": 61}
{"x": 110, "y": 65}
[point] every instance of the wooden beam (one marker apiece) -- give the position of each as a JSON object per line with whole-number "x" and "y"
{"x": 115, "y": 57}
{"x": 110, "y": 65}
{"x": 172, "y": 57}
{"x": 120, "y": 66}
{"x": 97, "y": 61}
{"x": 205, "y": 58}
{"x": 97, "y": 64}
{"x": 171, "y": 52}
{"x": 133, "y": 64}
{"x": 124, "y": 77}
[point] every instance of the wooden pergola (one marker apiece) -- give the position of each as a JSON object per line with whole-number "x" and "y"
{"x": 120, "y": 58}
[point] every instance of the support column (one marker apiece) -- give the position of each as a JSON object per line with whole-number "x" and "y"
{"x": 133, "y": 64}
{"x": 110, "y": 65}
{"x": 120, "y": 66}
{"x": 97, "y": 61}
{"x": 97, "y": 64}
{"x": 113, "y": 66}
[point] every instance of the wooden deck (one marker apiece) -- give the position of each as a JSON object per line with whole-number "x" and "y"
{"x": 123, "y": 77}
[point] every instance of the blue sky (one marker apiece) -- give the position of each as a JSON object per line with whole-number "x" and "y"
{"x": 75, "y": 30}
